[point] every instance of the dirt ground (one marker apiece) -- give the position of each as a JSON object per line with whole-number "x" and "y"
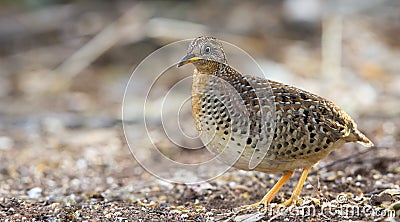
{"x": 63, "y": 152}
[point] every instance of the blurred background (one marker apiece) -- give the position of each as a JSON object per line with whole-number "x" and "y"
{"x": 65, "y": 65}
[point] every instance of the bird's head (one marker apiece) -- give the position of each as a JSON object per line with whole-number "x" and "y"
{"x": 204, "y": 52}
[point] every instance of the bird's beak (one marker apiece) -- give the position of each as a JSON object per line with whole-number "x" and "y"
{"x": 188, "y": 59}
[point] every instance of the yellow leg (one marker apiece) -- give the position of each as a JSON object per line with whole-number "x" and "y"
{"x": 299, "y": 187}
{"x": 271, "y": 194}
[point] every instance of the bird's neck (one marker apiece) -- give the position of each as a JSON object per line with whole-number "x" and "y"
{"x": 206, "y": 67}
{"x": 214, "y": 68}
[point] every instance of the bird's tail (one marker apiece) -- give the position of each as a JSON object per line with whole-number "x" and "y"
{"x": 359, "y": 137}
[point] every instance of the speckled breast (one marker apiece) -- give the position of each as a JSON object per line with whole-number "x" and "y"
{"x": 234, "y": 116}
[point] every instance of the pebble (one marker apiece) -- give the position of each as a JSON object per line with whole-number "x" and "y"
{"x": 358, "y": 184}
{"x": 378, "y": 183}
{"x": 232, "y": 184}
{"x": 6, "y": 143}
{"x": 35, "y": 192}
{"x": 184, "y": 216}
{"x": 175, "y": 212}
{"x": 163, "y": 205}
{"x": 209, "y": 214}
{"x": 309, "y": 187}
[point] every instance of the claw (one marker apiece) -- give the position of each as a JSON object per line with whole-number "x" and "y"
{"x": 288, "y": 202}
{"x": 254, "y": 205}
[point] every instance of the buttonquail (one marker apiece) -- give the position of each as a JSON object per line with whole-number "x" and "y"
{"x": 300, "y": 128}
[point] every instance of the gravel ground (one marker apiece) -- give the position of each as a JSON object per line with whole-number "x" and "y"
{"x": 90, "y": 174}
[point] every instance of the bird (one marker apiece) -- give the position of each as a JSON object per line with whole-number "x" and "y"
{"x": 257, "y": 124}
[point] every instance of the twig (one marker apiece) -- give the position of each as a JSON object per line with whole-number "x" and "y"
{"x": 128, "y": 24}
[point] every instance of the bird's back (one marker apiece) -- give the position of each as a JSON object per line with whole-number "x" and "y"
{"x": 310, "y": 123}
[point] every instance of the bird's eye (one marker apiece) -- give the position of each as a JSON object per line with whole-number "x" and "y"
{"x": 207, "y": 49}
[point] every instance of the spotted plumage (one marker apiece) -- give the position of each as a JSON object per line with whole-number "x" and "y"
{"x": 242, "y": 118}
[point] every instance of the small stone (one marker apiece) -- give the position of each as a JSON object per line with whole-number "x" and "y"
{"x": 6, "y": 143}
{"x": 35, "y": 192}
{"x": 175, "y": 212}
{"x": 209, "y": 214}
{"x": 184, "y": 216}
{"x": 200, "y": 209}
{"x": 377, "y": 200}
{"x": 330, "y": 176}
{"x": 376, "y": 176}
{"x": 163, "y": 205}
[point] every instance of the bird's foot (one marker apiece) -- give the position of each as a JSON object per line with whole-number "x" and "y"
{"x": 254, "y": 205}
{"x": 289, "y": 202}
